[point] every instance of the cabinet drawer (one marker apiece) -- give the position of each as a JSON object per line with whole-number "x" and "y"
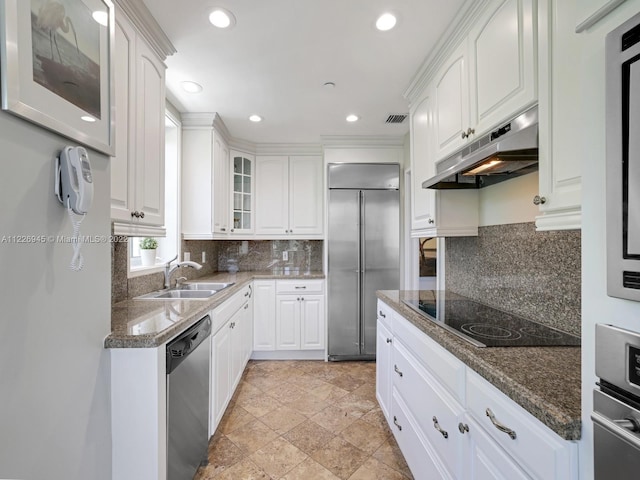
{"x": 385, "y": 315}
{"x": 446, "y": 368}
{"x": 303, "y": 286}
{"x": 437, "y": 413}
{"x": 421, "y": 460}
{"x": 224, "y": 312}
{"x": 539, "y": 451}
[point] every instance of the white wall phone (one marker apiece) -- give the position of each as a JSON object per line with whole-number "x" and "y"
{"x": 74, "y": 189}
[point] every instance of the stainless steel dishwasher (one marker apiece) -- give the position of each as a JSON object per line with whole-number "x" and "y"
{"x": 188, "y": 360}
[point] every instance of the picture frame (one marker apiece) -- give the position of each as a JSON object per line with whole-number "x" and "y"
{"x": 56, "y": 67}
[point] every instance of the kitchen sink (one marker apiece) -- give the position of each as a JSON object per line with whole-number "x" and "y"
{"x": 187, "y": 291}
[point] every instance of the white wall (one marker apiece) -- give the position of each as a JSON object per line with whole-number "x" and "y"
{"x": 596, "y": 305}
{"x": 54, "y": 373}
{"x": 510, "y": 201}
{"x": 364, "y": 155}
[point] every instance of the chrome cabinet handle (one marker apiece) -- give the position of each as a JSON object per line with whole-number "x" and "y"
{"x": 246, "y": 305}
{"x": 538, "y": 200}
{"x": 246, "y": 294}
{"x": 223, "y": 229}
{"x": 395, "y": 367}
{"x": 395, "y": 422}
{"x": 436, "y": 425}
{"x": 431, "y": 221}
{"x": 463, "y": 427}
{"x": 389, "y": 340}
{"x": 134, "y": 214}
{"x": 141, "y": 214}
{"x": 500, "y": 426}
{"x": 250, "y": 291}
{"x": 382, "y": 314}
{"x": 301, "y": 287}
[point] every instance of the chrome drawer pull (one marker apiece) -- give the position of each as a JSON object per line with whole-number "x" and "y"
{"x": 436, "y": 425}
{"x": 389, "y": 340}
{"x": 463, "y": 427}
{"x": 395, "y": 367}
{"x": 382, "y": 314}
{"x": 395, "y": 422}
{"x": 301, "y": 288}
{"x": 500, "y": 426}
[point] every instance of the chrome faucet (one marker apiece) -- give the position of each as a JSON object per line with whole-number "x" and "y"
{"x": 168, "y": 269}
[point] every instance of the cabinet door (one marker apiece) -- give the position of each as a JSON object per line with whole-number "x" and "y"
{"x": 247, "y": 335}
{"x": 150, "y": 94}
{"x": 422, "y": 167}
{"x": 122, "y": 165}
{"x": 272, "y": 195}
{"x": 486, "y": 460}
{"x": 451, "y": 97}
{"x": 502, "y": 63}
{"x": 242, "y": 196}
{"x": 312, "y": 328}
{"x": 306, "y": 196}
{"x": 237, "y": 348}
{"x": 264, "y": 323}
{"x": 221, "y": 378}
{"x": 384, "y": 346}
{"x": 221, "y": 185}
{"x": 288, "y": 322}
{"x": 197, "y": 178}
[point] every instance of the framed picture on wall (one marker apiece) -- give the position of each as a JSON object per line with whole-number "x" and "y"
{"x": 55, "y": 67}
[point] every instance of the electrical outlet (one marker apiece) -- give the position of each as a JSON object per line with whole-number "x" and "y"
{"x": 285, "y": 256}
{"x": 204, "y": 257}
{"x": 186, "y": 256}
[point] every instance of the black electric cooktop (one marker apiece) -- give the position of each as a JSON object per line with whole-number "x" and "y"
{"x": 485, "y": 326}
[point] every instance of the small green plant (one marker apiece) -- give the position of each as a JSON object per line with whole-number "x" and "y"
{"x": 148, "y": 243}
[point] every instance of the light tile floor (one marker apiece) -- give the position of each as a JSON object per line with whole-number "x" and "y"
{"x": 305, "y": 420}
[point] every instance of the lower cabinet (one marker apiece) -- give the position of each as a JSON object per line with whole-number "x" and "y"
{"x": 289, "y": 318}
{"x": 453, "y": 431}
{"x": 231, "y": 346}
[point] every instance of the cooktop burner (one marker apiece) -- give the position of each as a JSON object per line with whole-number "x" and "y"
{"x": 485, "y": 326}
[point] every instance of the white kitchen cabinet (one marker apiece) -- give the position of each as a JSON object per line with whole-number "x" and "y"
{"x": 230, "y": 345}
{"x": 264, "y": 322}
{"x": 205, "y": 178}
{"x": 488, "y": 78}
{"x": 433, "y": 392}
{"x": 242, "y": 193}
{"x": 289, "y": 196}
{"x": 288, "y": 313}
{"x": 137, "y": 169}
{"x": 560, "y": 166}
{"x": 384, "y": 346}
{"x": 300, "y": 315}
{"x": 435, "y": 213}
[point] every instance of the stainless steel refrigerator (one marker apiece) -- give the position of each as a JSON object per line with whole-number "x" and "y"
{"x": 363, "y": 250}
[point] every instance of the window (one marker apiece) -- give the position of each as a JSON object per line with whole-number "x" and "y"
{"x": 168, "y": 246}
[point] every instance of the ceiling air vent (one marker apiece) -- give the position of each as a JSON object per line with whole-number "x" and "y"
{"x": 396, "y": 118}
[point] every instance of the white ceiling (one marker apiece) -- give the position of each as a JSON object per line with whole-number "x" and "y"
{"x": 276, "y": 59}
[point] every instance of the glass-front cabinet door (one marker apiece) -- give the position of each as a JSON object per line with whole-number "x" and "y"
{"x": 242, "y": 188}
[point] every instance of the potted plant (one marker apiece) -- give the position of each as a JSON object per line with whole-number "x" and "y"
{"x": 148, "y": 248}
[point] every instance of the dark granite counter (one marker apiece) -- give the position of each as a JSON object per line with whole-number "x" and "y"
{"x": 545, "y": 381}
{"x": 150, "y": 323}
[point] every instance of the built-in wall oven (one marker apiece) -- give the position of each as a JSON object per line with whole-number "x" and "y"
{"x": 623, "y": 160}
{"x": 616, "y": 404}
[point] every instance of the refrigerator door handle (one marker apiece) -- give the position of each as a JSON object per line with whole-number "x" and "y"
{"x": 361, "y": 201}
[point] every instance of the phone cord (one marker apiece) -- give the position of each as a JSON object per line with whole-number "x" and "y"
{"x": 77, "y": 261}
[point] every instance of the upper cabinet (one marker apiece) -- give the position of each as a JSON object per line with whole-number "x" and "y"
{"x": 488, "y": 78}
{"x": 137, "y": 170}
{"x": 289, "y": 196}
{"x": 560, "y": 168}
{"x": 242, "y": 187}
{"x": 205, "y": 177}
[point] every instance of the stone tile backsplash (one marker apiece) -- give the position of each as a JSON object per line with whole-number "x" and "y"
{"x": 514, "y": 268}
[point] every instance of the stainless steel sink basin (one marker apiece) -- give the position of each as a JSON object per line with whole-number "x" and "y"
{"x": 187, "y": 291}
{"x": 204, "y": 286}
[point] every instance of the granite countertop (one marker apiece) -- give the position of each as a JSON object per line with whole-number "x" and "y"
{"x": 545, "y": 381}
{"x": 150, "y": 323}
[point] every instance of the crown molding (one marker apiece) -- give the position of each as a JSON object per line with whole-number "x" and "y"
{"x": 455, "y": 33}
{"x": 362, "y": 141}
{"x": 288, "y": 149}
{"x": 142, "y": 19}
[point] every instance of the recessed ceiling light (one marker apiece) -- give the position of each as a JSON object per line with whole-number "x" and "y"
{"x": 352, "y": 118}
{"x": 222, "y": 18}
{"x": 191, "y": 87}
{"x": 255, "y": 118}
{"x": 88, "y": 118}
{"x": 385, "y": 22}
{"x": 101, "y": 17}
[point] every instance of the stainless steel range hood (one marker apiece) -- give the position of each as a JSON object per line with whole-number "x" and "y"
{"x": 509, "y": 151}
